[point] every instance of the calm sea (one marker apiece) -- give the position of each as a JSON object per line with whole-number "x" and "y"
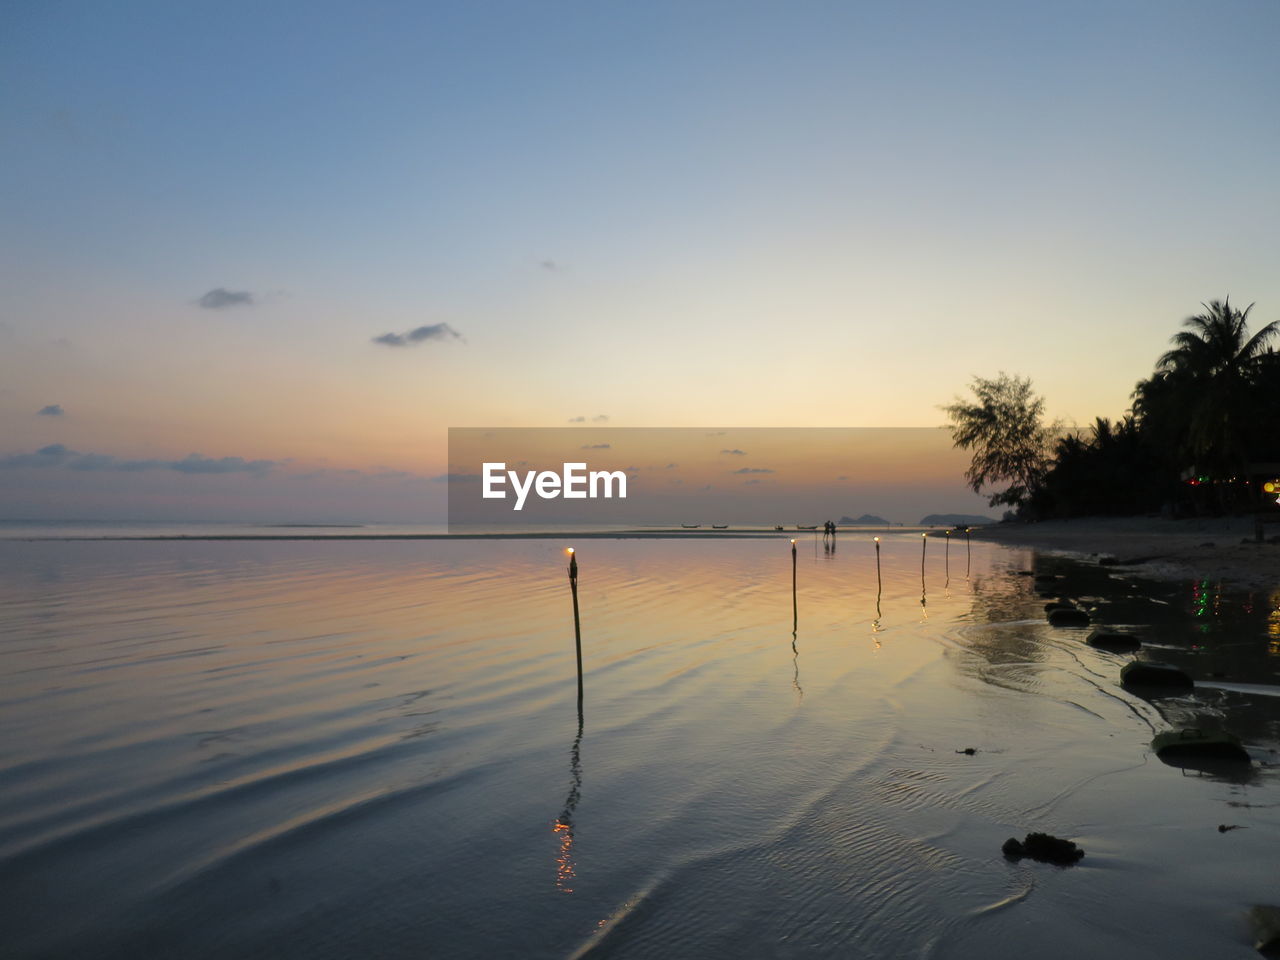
{"x": 373, "y": 749}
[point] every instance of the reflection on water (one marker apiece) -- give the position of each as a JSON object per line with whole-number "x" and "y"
{"x": 566, "y": 870}
{"x": 1223, "y": 771}
{"x": 326, "y": 750}
{"x": 795, "y": 663}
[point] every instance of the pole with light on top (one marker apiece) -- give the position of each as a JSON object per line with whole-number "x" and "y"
{"x": 577, "y": 625}
{"x": 795, "y": 609}
{"x": 879, "y": 585}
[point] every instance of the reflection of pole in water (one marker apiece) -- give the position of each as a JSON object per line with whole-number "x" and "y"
{"x": 946, "y": 566}
{"x": 566, "y": 869}
{"x": 795, "y": 660}
{"x": 875, "y": 624}
{"x": 577, "y": 626}
{"x": 795, "y": 609}
{"x": 968, "y": 556}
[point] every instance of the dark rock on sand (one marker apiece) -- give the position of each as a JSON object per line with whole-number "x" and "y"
{"x": 1043, "y": 847}
{"x": 1113, "y": 640}
{"x": 1149, "y": 674}
{"x": 1068, "y": 617}
{"x": 1195, "y": 743}
{"x": 1265, "y": 921}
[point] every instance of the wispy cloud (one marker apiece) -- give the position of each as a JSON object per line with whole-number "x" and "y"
{"x": 52, "y": 410}
{"x": 735, "y": 453}
{"x": 600, "y": 418}
{"x": 378, "y": 474}
{"x": 220, "y": 297}
{"x": 434, "y": 331}
{"x": 195, "y": 463}
{"x": 58, "y": 456}
{"x": 752, "y": 470}
{"x": 595, "y": 446}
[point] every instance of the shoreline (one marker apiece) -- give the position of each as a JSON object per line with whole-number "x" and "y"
{"x": 1220, "y": 548}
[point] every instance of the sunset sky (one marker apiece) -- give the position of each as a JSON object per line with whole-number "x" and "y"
{"x": 302, "y": 240}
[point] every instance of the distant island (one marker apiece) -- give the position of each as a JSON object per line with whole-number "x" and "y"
{"x": 955, "y": 520}
{"x": 866, "y": 520}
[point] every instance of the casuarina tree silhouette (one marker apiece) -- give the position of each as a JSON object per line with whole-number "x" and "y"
{"x": 1005, "y": 430}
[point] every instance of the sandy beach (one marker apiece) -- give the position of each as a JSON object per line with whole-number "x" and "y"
{"x": 1220, "y": 549}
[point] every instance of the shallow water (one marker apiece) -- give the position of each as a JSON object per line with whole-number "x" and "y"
{"x": 344, "y": 749}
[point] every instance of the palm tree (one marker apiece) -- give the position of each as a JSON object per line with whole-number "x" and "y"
{"x": 1110, "y": 469}
{"x": 1206, "y": 381}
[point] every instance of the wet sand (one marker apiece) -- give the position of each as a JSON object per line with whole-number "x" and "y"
{"x": 1213, "y": 548}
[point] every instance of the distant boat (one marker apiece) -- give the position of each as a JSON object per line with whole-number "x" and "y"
{"x": 802, "y": 527}
{"x": 778, "y": 527}
{"x": 719, "y": 526}
{"x": 691, "y": 526}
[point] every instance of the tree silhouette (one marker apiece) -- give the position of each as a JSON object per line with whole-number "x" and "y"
{"x": 1004, "y": 429}
{"x": 1206, "y": 387}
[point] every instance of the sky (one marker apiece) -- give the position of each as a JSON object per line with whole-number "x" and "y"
{"x": 301, "y": 241}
